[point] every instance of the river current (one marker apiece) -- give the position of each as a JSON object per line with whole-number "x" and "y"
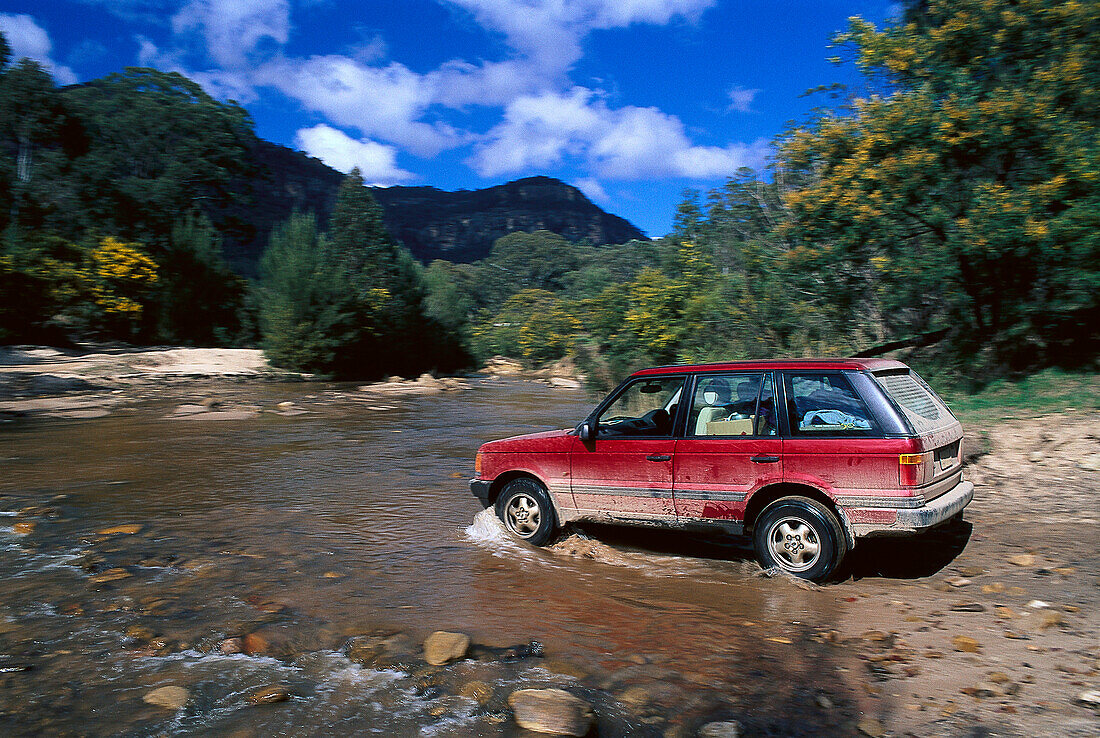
{"x": 224, "y": 556}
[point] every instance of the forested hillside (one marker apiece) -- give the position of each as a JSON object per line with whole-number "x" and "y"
{"x": 951, "y": 202}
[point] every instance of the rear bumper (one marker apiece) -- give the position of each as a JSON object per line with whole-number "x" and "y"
{"x": 939, "y": 510}
{"x": 480, "y": 489}
{"x": 907, "y": 521}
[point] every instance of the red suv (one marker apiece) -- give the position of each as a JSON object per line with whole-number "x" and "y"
{"x": 806, "y": 456}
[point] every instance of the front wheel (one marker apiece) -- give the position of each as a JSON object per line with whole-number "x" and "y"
{"x": 801, "y": 537}
{"x": 526, "y": 511}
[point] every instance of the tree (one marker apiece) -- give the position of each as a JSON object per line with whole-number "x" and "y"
{"x": 161, "y": 148}
{"x": 963, "y": 192}
{"x": 349, "y": 304}
{"x": 298, "y": 305}
{"x": 200, "y": 299}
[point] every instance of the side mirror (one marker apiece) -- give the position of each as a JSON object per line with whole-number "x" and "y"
{"x": 587, "y": 431}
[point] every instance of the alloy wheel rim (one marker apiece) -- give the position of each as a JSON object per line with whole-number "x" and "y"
{"x": 794, "y": 544}
{"x": 523, "y": 515}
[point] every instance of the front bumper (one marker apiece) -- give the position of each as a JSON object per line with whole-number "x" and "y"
{"x": 907, "y": 521}
{"x": 480, "y": 489}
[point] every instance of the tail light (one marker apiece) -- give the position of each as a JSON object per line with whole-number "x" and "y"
{"x": 477, "y": 464}
{"x": 913, "y": 469}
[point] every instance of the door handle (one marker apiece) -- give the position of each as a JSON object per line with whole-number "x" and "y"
{"x": 764, "y": 459}
{"x": 658, "y": 457}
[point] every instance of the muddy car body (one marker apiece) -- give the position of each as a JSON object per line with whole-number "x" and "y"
{"x": 807, "y": 457}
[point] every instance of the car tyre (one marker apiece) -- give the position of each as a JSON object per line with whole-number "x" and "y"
{"x": 800, "y": 537}
{"x": 526, "y": 511}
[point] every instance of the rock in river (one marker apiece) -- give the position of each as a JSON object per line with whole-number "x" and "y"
{"x": 552, "y": 711}
{"x": 725, "y": 729}
{"x": 268, "y": 695}
{"x": 170, "y": 698}
{"x": 441, "y": 647}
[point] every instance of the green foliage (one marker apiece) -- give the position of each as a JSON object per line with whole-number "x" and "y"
{"x": 298, "y": 308}
{"x": 966, "y": 193}
{"x": 533, "y": 324}
{"x": 349, "y": 304}
{"x": 159, "y": 147}
{"x": 200, "y": 301}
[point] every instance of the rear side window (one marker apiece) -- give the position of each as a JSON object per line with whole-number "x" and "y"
{"x": 827, "y": 405}
{"x": 924, "y": 410}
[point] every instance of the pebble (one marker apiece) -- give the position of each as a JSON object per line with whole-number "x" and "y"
{"x": 478, "y": 691}
{"x": 1022, "y": 559}
{"x": 823, "y": 702}
{"x": 170, "y": 698}
{"x": 1038, "y": 605}
{"x": 269, "y": 695}
{"x": 872, "y": 727}
{"x": 995, "y": 588}
{"x": 23, "y": 528}
{"x": 1004, "y": 612}
{"x": 971, "y": 571}
{"x": 1090, "y": 697}
{"x": 724, "y": 729}
{"x": 442, "y": 646}
{"x": 967, "y": 607}
{"x": 1050, "y": 620}
{"x": 552, "y": 711}
{"x": 120, "y": 530}
{"x": 1036, "y": 456}
{"x": 254, "y": 643}
{"x": 966, "y": 644}
{"x": 959, "y": 581}
{"x": 1090, "y": 462}
{"x": 231, "y": 646}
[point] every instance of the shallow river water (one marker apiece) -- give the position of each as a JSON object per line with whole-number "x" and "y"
{"x": 306, "y": 531}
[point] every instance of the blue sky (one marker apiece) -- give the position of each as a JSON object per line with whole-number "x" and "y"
{"x": 631, "y": 100}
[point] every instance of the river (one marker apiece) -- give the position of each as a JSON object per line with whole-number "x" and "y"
{"x": 352, "y": 519}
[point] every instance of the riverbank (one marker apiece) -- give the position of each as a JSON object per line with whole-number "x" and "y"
{"x": 326, "y": 532}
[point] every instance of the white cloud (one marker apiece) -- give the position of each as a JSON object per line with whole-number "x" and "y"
{"x": 592, "y": 189}
{"x": 741, "y": 99}
{"x": 549, "y": 32}
{"x": 382, "y": 102}
{"x": 30, "y": 40}
{"x": 624, "y": 143}
{"x": 233, "y": 29}
{"x": 377, "y": 162}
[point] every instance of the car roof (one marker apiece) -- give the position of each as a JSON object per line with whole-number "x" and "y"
{"x": 872, "y": 365}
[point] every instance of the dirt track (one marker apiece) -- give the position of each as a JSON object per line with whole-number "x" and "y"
{"x": 1005, "y": 634}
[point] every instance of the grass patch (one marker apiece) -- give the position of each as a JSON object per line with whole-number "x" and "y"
{"x": 1050, "y": 391}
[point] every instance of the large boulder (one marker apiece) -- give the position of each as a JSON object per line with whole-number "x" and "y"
{"x": 552, "y": 711}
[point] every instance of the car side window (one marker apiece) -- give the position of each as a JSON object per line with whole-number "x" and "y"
{"x": 646, "y": 407}
{"x": 733, "y": 405}
{"x": 827, "y": 405}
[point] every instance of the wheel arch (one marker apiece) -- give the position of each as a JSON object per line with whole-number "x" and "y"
{"x": 767, "y": 495}
{"x": 508, "y": 476}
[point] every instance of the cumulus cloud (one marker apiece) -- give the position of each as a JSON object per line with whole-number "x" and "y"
{"x": 382, "y": 102}
{"x": 233, "y": 29}
{"x": 377, "y": 162}
{"x": 616, "y": 143}
{"x": 741, "y": 98}
{"x": 30, "y": 40}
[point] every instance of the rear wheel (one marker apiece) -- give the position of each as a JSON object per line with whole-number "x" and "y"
{"x": 801, "y": 537}
{"x": 526, "y": 511}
